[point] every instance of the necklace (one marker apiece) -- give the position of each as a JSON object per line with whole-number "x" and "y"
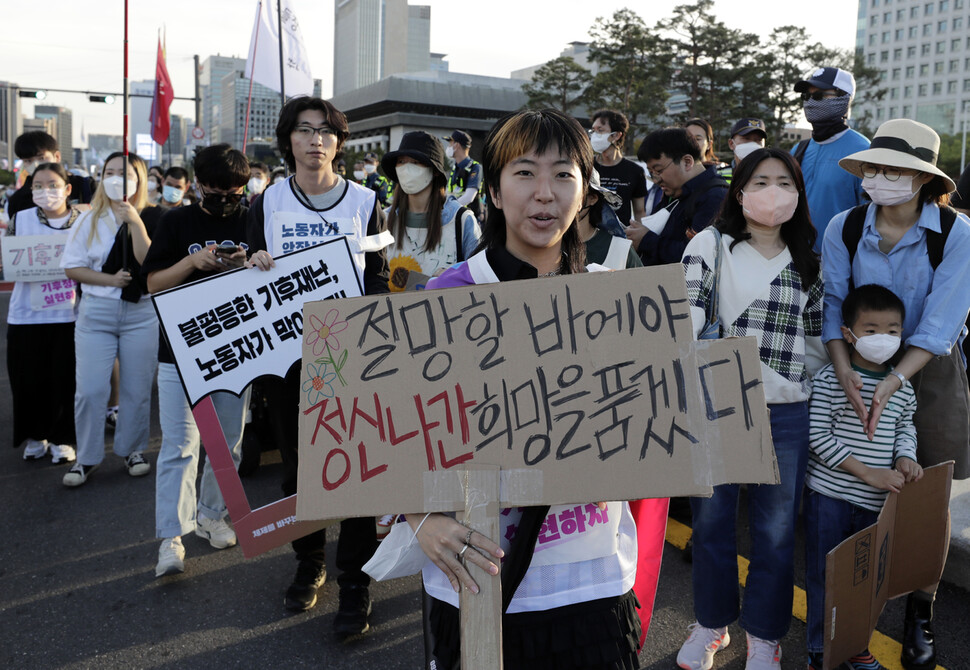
{"x": 74, "y": 213}
{"x": 554, "y": 273}
{"x": 304, "y": 200}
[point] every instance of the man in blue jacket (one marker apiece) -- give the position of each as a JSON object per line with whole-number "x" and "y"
{"x": 692, "y": 196}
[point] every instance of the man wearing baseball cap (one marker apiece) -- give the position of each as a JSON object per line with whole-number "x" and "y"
{"x": 826, "y": 96}
{"x": 376, "y": 182}
{"x": 465, "y": 182}
{"x": 747, "y": 135}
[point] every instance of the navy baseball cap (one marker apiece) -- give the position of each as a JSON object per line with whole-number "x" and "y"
{"x": 749, "y": 125}
{"x": 827, "y": 78}
{"x": 461, "y": 137}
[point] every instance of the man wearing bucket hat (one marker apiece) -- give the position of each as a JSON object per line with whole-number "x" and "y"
{"x": 910, "y": 242}
{"x": 827, "y": 95}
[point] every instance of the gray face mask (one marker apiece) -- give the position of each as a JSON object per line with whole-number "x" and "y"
{"x": 827, "y": 109}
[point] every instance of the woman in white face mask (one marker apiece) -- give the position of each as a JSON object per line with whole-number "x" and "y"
{"x": 431, "y": 229}
{"x": 769, "y": 286}
{"x": 909, "y": 241}
{"x": 40, "y": 330}
{"x": 115, "y": 318}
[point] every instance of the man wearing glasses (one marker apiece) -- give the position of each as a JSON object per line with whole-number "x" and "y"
{"x": 310, "y": 135}
{"x": 827, "y": 95}
{"x": 692, "y": 196}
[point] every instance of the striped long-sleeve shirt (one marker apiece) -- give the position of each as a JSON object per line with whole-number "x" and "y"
{"x": 835, "y": 433}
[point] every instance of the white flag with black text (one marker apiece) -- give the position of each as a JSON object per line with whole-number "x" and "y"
{"x": 263, "y": 64}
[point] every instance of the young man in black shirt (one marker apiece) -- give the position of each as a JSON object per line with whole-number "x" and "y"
{"x": 196, "y": 241}
{"x": 622, "y": 176}
{"x": 36, "y": 147}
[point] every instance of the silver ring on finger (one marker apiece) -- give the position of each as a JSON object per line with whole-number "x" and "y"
{"x": 461, "y": 554}
{"x": 468, "y": 538}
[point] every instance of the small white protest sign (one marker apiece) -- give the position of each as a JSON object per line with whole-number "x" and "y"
{"x": 33, "y": 257}
{"x": 228, "y": 329}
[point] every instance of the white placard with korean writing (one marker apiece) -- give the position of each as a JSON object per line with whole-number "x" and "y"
{"x": 33, "y": 257}
{"x": 293, "y": 231}
{"x": 228, "y": 329}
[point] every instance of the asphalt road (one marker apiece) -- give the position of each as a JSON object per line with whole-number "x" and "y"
{"x": 77, "y": 587}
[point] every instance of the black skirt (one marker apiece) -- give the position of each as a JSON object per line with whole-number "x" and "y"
{"x": 598, "y": 634}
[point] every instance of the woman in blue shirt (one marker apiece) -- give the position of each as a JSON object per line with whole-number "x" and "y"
{"x": 904, "y": 223}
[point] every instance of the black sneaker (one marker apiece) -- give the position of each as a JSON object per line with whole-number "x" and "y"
{"x": 355, "y": 607}
{"x": 302, "y": 594}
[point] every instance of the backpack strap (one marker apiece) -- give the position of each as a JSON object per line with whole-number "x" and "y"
{"x": 935, "y": 242}
{"x": 459, "y": 225}
{"x": 800, "y": 149}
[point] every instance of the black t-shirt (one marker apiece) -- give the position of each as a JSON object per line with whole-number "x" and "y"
{"x": 628, "y": 180}
{"x": 961, "y": 199}
{"x": 183, "y": 231}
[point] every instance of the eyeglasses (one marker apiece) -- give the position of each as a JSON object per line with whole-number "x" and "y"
{"x": 307, "y": 132}
{"x": 890, "y": 173}
{"x": 819, "y": 95}
{"x": 657, "y": 174}
{"x": 223, "y": 197}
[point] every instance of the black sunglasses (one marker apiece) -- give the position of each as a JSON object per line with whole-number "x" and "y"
{"x": 820, "y": 95}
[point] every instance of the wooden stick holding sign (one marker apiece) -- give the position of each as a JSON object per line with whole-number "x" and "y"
{"x": 577, "y": 388}
{"x": 228, "y": 329}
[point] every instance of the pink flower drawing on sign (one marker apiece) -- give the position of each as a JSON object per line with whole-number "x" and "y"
{"x": 319, "y": 383}
{"x": 322, "y": 335}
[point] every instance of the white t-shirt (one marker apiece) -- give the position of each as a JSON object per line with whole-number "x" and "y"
{"x": 79, "y": 254}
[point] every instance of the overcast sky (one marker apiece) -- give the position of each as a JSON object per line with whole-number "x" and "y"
{"x": 61, "y": 48}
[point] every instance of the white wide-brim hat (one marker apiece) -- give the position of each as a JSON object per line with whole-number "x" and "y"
{"x": 901, "y": 143}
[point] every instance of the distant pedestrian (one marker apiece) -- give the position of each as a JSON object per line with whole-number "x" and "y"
{"x": 375, "y": 181}
{"x": 624, "y": 177}
{"x": 36, "y": 147}
{"x": 466, "y": 180}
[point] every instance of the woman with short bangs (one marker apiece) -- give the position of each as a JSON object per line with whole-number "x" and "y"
{"x": 115, "y": 319}
{"x": 770, "y": 287}
{"x": 537, "y": 168}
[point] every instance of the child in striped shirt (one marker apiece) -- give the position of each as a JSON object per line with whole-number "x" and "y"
{"x": 848, "y": 475}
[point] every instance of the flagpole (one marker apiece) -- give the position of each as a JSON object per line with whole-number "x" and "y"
{"x": 249, "y": 101}
{"x": 124, "y": 144}
{"x": 279, "y": 27}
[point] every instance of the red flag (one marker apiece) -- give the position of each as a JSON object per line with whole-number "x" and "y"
{"x": 162, "y": 99}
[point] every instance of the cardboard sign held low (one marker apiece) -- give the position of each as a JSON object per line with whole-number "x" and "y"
{"x": 579, "y": 388}
{"x": 228, "y": 329}
{"x": 902, "y": 552}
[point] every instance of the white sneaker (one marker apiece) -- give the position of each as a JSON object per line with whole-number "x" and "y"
{"x": 35, "y": 449}
{"x": 171, "y": 557}
{"x": 62, "y": 453}
{"x": 697, "y": 653}
{"x": 216, "y": 531}
{"x": 763, "y": 654}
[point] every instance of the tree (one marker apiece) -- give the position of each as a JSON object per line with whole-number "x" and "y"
{"x": 634, "y": 71}
{"x": 560, "y": 83}
{"x": 787, "y": 50}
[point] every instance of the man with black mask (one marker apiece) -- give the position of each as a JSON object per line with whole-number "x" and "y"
{"x": 827, "y": 94}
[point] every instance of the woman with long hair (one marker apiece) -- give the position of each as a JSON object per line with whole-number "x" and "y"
{"x": 537, "y": 167}
{"x": 909, "y": 241}
{"x": 115, "y": 319}
{"x": 40, "y": 331}
{"x": 431, "y": 229}
{"x": 770, "y": 287}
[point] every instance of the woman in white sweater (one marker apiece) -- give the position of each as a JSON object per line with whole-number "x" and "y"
{"x": 770, "y": 287}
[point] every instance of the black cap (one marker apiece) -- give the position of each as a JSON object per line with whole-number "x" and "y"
{"x": 749, "y": 125}
{"x": 419, "y": 145}
{"x": 461, "y": 137}
{"x": 371, "y": 156}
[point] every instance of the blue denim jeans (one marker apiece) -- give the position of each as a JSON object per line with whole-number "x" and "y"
{"x": 178, "y": 457}
{"x": 772, "y": 513}
{"x": 828, "y": 521}
{"x": 107, "y": 329}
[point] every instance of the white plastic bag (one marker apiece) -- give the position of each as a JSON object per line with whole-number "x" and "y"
{"x": 398, "y": 555}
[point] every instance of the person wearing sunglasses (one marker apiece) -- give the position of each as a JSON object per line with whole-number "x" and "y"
{"x": 826, "y": 98}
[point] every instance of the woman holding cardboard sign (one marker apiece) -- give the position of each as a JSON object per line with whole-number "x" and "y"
{"x": 769, "y": 286}
{"x": 537, "y": 168}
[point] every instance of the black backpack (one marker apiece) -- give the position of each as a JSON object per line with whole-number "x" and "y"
{"x": 935, "y": 241}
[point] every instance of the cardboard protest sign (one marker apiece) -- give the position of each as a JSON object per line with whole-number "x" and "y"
{"x": 228, "y": 329}
{"x": 33, "y": 257}
{"x": 578, "y": 388}
{"x": 902, "y": 552}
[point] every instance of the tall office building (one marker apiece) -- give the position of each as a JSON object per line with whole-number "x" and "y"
{"x": 212, "y": 72}
{"x": 264, "y": 111}
{"x": 374, "y": 39}
{"x": 11, "y": 125}
{"x": 63, "y": 128}
{"x": 923, "y": 50}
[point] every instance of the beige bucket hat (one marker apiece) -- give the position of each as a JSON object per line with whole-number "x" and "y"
{"x": 901, "y": 143}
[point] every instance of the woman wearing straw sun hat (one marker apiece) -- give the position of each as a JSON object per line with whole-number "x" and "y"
{"x": 909, "y": 241}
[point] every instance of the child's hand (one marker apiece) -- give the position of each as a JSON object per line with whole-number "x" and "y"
{"x": 884, "y": 479}
{"x": 909, "y": 468}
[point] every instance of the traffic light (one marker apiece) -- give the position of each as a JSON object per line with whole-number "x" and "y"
{"x": 106, "y": 99}
{"x": 38, "y": 94}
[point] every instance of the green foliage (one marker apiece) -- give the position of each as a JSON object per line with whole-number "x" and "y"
{"x": 951, "y": 146}
{"x": 561, "y": 83}
{"x": 6, "y": 177}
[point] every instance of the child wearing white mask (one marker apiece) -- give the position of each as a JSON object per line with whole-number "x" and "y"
{"x": 850, "y": 475}
{"x": 40, "y": 329}
{"x": 431, "y": 228}
{"x": 115, "y": 318}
